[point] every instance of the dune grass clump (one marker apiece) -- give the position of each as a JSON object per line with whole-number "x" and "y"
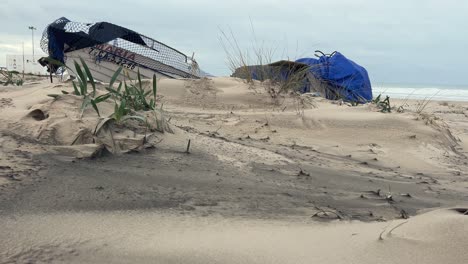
{"x": 423, "y": 103}
{"x": 383, "y": 105}
{"x": 80, "y": 87}
{"x": 256, "y": 64}
{"x": 131, "y": 103}
{"x": 10, "y": 78}
{"x": 293, "y": 81}
{"x": 239, "y": 59}
{"x": 130, "y": 97}
{"x": 134, "y": 95}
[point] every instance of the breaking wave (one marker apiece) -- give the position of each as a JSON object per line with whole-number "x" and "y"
{"x": 433, "y": 93}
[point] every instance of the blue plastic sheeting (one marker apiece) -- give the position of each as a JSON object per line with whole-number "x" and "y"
{"x": 346, "y": 80}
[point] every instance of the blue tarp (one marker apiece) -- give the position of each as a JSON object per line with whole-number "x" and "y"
{"x": 346, "y": 79}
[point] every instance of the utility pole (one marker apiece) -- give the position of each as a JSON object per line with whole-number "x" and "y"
{"x": 23, "y": 61}
{"x": 32, "y": 34}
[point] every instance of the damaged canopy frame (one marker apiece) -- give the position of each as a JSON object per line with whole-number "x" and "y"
{"x": 106, "y": 42}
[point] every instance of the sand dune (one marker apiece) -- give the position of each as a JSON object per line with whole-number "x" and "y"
{"x": 260, "y": 173}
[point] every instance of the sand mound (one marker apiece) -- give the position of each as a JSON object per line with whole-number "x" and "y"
{"x": 296, "y": 156}
{"x": 222, "y": 93}
{"x": 435, "y": 237}
{"x": 298, "y": 130}
{"x": 439, "y": 225}
{"x": 61, "y": 122}
{"x": 236, "y": 110}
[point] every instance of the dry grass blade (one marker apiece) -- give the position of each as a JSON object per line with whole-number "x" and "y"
{"x": 255, "y": 63}
{"x": 391, "y": 230}
{"x": 236, "y": 57}
{"x": 423, "y": 104}
{"x": 381, "y": 233}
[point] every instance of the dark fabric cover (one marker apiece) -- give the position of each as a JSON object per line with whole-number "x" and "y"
{"x": 61, "y": 40}
{"x": 275, "y": 71}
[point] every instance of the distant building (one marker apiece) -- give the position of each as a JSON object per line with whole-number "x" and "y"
{"x": 31, "y": 66}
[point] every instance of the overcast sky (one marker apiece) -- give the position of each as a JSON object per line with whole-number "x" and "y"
{"x": 398, "y": 41}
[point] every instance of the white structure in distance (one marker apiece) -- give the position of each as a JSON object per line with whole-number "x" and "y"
{"x": 31, "y": 66}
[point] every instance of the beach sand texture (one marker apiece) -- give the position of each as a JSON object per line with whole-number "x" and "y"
{"x": 300, "y": 180}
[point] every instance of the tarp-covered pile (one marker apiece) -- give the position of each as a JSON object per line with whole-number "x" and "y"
{"x": 340, "y": 77}
{"x": 346, "y": 79}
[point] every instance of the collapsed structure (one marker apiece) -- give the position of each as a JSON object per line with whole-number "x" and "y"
{"x": 105, "y": 47}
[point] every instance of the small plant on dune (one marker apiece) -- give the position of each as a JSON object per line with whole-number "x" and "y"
{"x": 134, "y": 93}
{"x": 80, "y": 87}
{"x": 122, "y": 113}
{"x": 130, "y": 103}
{"x": 10, "y": 77}
{"x": 135, "y": 110}
{"x": 384, "y": 104}
{"x": 131, "y": 98}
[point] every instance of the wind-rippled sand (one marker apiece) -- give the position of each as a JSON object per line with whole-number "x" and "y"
{"x": 145, "y": 237}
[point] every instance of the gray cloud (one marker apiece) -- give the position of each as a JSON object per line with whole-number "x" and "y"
{"x": 397, "y": 41}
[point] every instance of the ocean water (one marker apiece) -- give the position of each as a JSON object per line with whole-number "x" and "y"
{"x": 440, "y": 93}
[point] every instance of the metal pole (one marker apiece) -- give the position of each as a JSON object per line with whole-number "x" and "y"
{"x": 23, "y": 61}
{"x": 32, "y": 35}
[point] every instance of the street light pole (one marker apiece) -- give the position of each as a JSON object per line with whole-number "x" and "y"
{"x": 23, "y": 60}
{"x": 32, "y": 34}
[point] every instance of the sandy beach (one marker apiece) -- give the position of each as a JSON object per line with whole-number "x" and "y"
{"x": 299, "y": 180}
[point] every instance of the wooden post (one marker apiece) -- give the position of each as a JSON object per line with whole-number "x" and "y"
{"x": 188, "y": 147}
{"x": 50, "y": 72}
